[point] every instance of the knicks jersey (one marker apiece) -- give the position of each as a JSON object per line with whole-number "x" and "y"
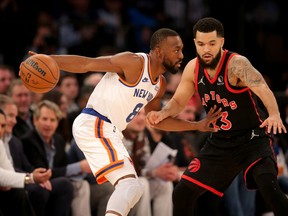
{"x": 241, "y": 110}
{"x": 120, "y": 101}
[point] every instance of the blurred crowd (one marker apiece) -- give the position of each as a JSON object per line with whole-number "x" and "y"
{"x": 253, "y": 28}
{"x": 38, "y": 134}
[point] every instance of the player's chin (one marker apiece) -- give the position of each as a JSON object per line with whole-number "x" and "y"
{"x": 175, "y": 70}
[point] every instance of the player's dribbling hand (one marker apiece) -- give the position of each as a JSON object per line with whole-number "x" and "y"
{"x": 31, "y": 53}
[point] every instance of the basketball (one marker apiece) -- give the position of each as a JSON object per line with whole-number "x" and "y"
{"x": 39, "y": 73}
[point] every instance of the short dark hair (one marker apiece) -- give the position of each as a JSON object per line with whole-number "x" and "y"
{"x": 160, "y": 35}
{"x": 209, "y": 24}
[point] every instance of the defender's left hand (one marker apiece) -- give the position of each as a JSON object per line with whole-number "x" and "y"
{"x": 211, "y": 117}
{"x": 274, "y": 123}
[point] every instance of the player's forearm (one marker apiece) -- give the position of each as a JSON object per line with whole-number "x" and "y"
{"x": 272, "y": 107}
{"x": 172, "y": 124}
{"x": 269, "y": 101}
{"x": 172, "y": 108}
{"x": 72, "y": 63}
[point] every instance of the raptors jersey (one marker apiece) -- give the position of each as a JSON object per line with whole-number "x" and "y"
{"x": 120, "y": 101}
{"x": 240, "y": 108}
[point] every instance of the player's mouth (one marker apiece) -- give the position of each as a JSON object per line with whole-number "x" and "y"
{"x": 178, "y": 64}
{"x": 207, "y": 57}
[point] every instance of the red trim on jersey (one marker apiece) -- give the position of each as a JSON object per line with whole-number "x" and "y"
{"x": 202, "y": 185}
{"x": 272, "y": 148}
{"x": 196, "y": 74}
{"x": 226, "y": 78}
{"x": 218, "y": 69}
{"x": 139, "y": 78}
{"x": 255, "y": 106}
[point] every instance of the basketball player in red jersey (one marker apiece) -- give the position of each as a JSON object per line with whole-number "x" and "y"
{"x": 244, "y": 138}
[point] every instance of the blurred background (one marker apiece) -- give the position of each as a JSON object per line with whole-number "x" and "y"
{"x": 97, "y": 27}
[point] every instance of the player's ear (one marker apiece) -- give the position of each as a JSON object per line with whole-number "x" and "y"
{"x": 158, "y": 52}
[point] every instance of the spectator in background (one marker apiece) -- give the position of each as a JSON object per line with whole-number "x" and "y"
{"x": 93, "y": 79}
{"x": 60, "y": 99}
{"x": 85, "y": 93}
{"x": 238, "y": 200}
{"x": 22, "y": 97}
{"x": 173, "y": 81}
{"x": 45, "y": 41}
{"x": 2, "y": 125}
{"x": 49, "y": 197}
{"x": 69, "y": 86}
{"x": 78, "y": 28}
{"x": 7, "y": 74}
{"x": 113, "y": 23}
{"x": 35, "y": 98}
{"x": 13, "y": 198}
{"x": 45, "y": 148}
{"x": 144, "y": 17}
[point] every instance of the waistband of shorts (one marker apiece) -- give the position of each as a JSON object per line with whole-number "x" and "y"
{"x": 240, "y": 134}
{"x": 93, "y": 112}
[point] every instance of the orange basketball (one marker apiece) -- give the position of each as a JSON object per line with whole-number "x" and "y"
{"x": 39, "y": 73}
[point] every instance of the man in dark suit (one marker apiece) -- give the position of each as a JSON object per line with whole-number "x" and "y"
{"x": 45, "y": 148}
{"x": 48, "y": 197}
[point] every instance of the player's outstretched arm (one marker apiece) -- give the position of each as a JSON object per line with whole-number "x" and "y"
{"x": 118, "y": 63}
{"x": 252, "y": 78}
{"x": 174, "y": 124}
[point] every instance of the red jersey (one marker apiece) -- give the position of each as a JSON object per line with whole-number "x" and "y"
{"x": 240, "y": 106}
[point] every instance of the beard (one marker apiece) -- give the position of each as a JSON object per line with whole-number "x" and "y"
{"x": 213, "y": 64}
{"x": 170, "y": 67}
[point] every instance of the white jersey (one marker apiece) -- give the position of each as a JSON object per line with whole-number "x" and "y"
{"x": 120, "y": 101}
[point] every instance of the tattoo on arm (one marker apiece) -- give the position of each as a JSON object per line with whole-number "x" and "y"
{"x": 245, "y": 72}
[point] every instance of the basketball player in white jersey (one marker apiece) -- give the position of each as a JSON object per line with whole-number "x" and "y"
{"x": 132, "y": 81}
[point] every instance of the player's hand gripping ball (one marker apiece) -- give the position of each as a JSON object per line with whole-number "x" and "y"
{"x": 39, "y": 73}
